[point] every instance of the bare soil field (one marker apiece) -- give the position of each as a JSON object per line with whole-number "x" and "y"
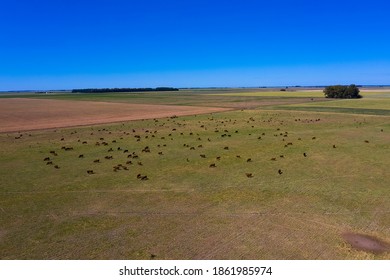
{"x": 22, "y": 114}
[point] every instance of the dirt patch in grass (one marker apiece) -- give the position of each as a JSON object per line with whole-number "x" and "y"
{"x": 366, "y": 243}
{"x": 23, "y": 114}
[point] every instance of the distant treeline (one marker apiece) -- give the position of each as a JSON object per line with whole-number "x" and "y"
{"x": 99, "y": 90}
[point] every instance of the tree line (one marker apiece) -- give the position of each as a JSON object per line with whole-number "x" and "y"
{"x": 102, "y": 90}
{"x": 339, "y": 91}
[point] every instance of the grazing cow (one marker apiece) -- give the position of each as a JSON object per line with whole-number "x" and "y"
{"x": 313, "y": 138}
{"x": 129, "y": 162}
{"x": 212, "y": 165}
{"x": 249, "y": 175}
{"x": 203, "y": 156}
{"x": 160, "y": 153}
{"x": 334, "y": 146}
{"x": 56, "y": 167}
{"x": 46, "y": 159}
{"x": 282, "y": 156}
{"x": 226, "y": 148}
{"x": 81, "y": 156}
{"x": 144, "y": 178}
{"x": 140, "y": 163}
{"x": 85, "y": 142}
{"x": 280, "y": 172}
{"x": 90, "y": 172}
{"x": 49, "y": 163}
{"x": 52, "y": 152}
{"x": 108, "y": 157}
{"x": 96, "y": 161}
{"x": 139, "y": 176}
{"x": 304, "y": 154}
{"x": 238, "y": 156}
{"x": 249, "y": 160}
{"x": 273, "y": 159}
{"x": 366, "y": 141}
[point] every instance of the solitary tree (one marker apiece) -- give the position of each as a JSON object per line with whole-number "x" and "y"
{"x": 338, "y": 91}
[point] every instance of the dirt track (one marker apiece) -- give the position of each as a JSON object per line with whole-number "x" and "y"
{"x": 23, "y": 114}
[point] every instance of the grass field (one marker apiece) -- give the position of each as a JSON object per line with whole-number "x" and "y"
{"x": 333, "y": 180}
{"x": 243, "y": 98}
{"x": 373, "y": 103}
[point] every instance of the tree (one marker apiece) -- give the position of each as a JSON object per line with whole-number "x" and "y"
{"x": 339, "y": 91}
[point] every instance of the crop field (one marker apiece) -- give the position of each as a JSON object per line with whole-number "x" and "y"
{"x": 29, "y": 114}
{"x": 265, "y": 179}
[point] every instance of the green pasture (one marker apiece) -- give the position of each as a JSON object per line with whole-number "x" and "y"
{"x": 279, "y": 94}
{"x": 372, "y": 103}
{"x": 235, "y": 98}
{"x": 187, "y": 209}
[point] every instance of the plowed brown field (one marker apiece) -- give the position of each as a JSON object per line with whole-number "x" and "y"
{"x": 21, "y": 114}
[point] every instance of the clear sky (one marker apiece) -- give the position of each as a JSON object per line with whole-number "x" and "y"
{"x": 195, "y": 43}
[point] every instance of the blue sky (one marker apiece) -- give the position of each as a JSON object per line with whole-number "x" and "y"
{"x": 71, "y": 44}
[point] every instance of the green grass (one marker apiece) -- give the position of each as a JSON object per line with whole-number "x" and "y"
{"x": 363, "y": 103}
{"x": 362, "y": 111}
{"x": 237, "y": 98}
{"x": 372, "y": 103}
{"x": 187, "y": 210}
{"x": 279, "y": 94}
